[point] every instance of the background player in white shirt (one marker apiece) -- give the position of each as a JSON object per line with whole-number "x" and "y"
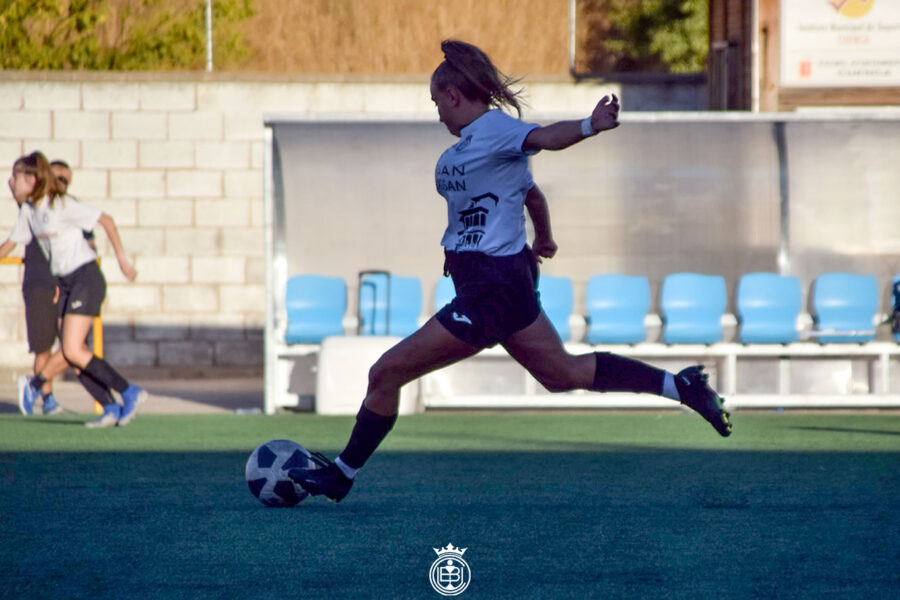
{"x": 485, "y": 180}
{"x": 58, "y": 223}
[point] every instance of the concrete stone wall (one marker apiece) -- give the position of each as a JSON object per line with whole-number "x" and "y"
{"x": 177, "y": 161}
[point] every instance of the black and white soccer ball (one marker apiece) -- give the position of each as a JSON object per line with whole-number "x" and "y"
{"x": 267, "y": 468}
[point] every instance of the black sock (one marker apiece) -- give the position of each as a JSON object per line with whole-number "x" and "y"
{"x": 368, "y": 432}
{"x": 100, "y": 370}
{"x": 96, "y": 389}
{"x": 619, "y": 374}
{"x": 38, "y": 381}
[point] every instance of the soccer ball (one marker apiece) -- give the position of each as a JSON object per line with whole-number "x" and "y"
{"x": 267, "y": 468}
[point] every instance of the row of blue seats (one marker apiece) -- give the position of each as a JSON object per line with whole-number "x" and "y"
{"x": 844, "y": 307}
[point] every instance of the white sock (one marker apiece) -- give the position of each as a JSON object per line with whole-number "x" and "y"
{"x": 349, "y": 471}
{"x": 669, "y": 389}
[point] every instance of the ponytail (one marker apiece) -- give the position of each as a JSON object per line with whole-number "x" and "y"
{"x": 470, "y": 70}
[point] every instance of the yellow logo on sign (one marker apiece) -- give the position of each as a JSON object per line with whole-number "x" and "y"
{"x": 852, "y": 9}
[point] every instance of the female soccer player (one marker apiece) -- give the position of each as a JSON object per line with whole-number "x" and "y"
{"x": 58, "y": 222}
{"x": 493, "y": 270}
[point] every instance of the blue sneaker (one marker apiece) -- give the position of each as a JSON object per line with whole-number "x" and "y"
{"x": 51, "y": 406}
{"x": 27, "y": 395}
{"x": 109, "y": 418}
{"x": 131, "y": 397}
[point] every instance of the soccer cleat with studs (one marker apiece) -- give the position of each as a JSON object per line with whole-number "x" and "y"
{"x": 695, "y": 393}
{"x": 325, "y": 479}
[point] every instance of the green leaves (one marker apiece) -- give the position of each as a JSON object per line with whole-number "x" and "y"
{"x": 117, "y": 35}
{"x": 658, "y": 35}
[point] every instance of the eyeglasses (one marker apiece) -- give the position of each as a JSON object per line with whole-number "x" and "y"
{"x": 62, "y": 180}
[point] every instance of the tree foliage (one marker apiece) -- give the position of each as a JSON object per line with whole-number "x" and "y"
{"x": 109, "y": 35}
{"x": 648, "y": 35}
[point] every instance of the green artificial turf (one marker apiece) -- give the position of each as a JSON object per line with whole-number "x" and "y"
{"x": 549, "y": 505}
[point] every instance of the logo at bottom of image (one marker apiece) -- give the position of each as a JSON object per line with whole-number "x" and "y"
{"x": 450, "y": 574}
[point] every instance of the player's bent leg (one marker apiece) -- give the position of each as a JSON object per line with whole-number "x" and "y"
{"x": 430, "y": 348}
{"x": 426, "y": 350}
{"x": 539, "y": 349}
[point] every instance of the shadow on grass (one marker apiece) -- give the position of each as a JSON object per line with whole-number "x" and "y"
{"x": 619, "y": 523}
{"x": 846, "y": 430}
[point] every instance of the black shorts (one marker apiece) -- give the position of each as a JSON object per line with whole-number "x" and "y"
{"x": 496, "y": 296}
{"x": 81, "y": 292}
{"x": 40, "y": 317}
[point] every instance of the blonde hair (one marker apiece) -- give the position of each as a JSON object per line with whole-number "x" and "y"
{"x": 45, "y": 184}
{"x": 470, "y": 70}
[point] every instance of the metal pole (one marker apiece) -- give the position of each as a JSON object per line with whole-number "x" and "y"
{"x": 572, "y": 36}
{"x": 209, "y": 36}
{"x": 784, "y": 245}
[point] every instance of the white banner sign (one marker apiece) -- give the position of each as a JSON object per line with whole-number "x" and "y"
{"x": 840, "y": 43}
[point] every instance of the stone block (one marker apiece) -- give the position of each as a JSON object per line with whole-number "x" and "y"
{"x": 81, "y": 125}
{"x": 194, "y": 183}
{"x": 52, "y": 95}
{"x": 194, "y": 353}
{"x": 131, "y": 354}
{"x": 195, "y": 126}
{"x": 168, "y": 327}
{"x": 243, "y": 183}
{"x": 168, "y": 96}
{"x": 190, "y": 298}
{"x": 193, "y": 242}
{"x": 109, "y": 154}
{"x": 248, "y": 353}
{"x": 133, "y": 298}
{"x": 244, "y": 242}
{"x": 139, "y": 125}
{"x": 163, "y": 269}
{"x": 161, "y": 154}
{"x": 222, "y": 155}
{"x": 242, "y": 298}
{"x": 110, "y": 95}
{"x": 222, "y": 213}
{"x": 31, "y": 124}
{"x": 165, "y": 213}
{"x": 221, "y": 269}
{"x": 137, "y": 184}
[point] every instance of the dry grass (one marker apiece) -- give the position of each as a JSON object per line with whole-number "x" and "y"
{"x": 403, "y": 36}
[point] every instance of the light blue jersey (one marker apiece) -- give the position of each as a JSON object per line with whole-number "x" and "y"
{"x": 484, "y": 178}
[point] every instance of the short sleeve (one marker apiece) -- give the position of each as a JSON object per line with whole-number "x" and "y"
{"x": 509, "y": 137}
{"x": 80, "y": 215}
{"x": 21, "y": 231}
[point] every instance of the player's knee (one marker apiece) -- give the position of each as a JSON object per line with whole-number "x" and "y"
{"x": 382, "y": 376}
{"x": 562, "y": 377}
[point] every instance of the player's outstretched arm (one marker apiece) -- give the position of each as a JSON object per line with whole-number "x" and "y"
{"x": 6, "y": 247}
{"x": 112, "y": 232}
{"x": 563, "y": 134}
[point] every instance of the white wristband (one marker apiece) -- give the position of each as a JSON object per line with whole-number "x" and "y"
{"x": 586, "y": 129}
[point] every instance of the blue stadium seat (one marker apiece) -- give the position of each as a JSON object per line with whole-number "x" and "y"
{"x": 404, "y": 303}
{"x": 444, "y": 292}
{"x": 767, "y": 306}
{"x": 558, "y": 302}
{"x": 844, "y": 305}
{"x": 315, "y": 308}
{"x": 616, "y": 307}
{"x": 692, "y": 306}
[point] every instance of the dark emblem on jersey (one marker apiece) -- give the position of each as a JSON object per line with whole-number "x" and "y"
{"x": 474, "y": 219}
{"x": 462, "y": 145}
